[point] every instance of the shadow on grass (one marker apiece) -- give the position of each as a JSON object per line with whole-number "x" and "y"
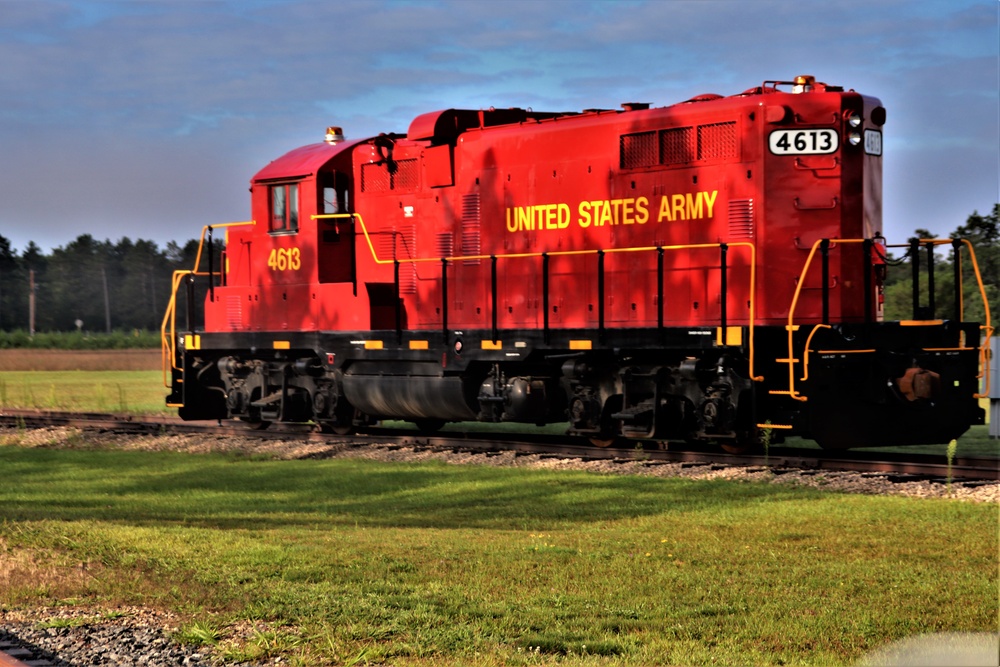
{"x": 218, "y": 492}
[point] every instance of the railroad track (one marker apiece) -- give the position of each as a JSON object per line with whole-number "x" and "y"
{"x": 17, "y": 653}
{"x": 895, "y": 466}
{"x": 129, "y": 639}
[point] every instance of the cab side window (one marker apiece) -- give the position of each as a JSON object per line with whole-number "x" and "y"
{"x": 331, "y": 202}
{"x": 334, "y": 193}
{"x": 284, "y": 207}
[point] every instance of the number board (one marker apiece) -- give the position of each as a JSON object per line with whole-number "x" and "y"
{"x": 803, "y": 142}
{"x": 873, "y": 142}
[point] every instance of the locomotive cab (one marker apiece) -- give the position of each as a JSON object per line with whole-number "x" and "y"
{"x": 299, "y": 248}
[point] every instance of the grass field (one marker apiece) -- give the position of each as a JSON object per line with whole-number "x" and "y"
{"x": 356, "y": 562}
{"x": 130, "y": 392}
{"x": 83, "y": 380}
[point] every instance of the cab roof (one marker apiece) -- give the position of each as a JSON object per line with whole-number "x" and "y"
{"x": 304, "y": 161}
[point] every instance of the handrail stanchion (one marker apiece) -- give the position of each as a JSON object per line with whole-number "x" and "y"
{"x": 600, "y": 295}
{"x": 211, "y": 268}
{"x": 493, "y": 292}
{"x": 930, "y": 281}
{"x": 545, "y": 297}
{"x": 723, "y": 289}
{"x": 824, "y": 249}
{"x": 956, "y": 250}
{"x": 444, "y": 298}
{"x": 659, "y": 289}
{"x": 869, "y": 285}
{"x": 397, "y": 301}
{"x": 189, "y": 305}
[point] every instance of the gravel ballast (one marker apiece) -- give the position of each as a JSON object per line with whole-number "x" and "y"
{"x": 128, "y": 637}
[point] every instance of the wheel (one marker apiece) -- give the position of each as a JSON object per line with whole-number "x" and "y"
{"x": 748, "y": 437}
{"x": 335, "y": 428}
{"x": 745, "y": 441}
{"x": 736, "y": 446}
{"x": 343, "y": 422}
{"x": 609, "y": 428}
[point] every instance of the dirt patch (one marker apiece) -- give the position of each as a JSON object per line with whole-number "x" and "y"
{"x": 79, "y": 360}
{"x": 28, "y": 571}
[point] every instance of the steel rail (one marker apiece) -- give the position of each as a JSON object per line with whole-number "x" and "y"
{"x": 930, "y": 466}
{"x": 12, "y": 650}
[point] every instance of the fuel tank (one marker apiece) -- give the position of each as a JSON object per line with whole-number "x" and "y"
{"x": 409, "y": 397}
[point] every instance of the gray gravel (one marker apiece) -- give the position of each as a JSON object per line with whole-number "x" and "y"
{"x": 77, "y": 638}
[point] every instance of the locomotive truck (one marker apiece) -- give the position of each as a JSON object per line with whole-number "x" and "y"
{"x": 706, "y": 271}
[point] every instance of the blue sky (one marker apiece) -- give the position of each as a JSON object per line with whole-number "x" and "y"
{"x": 147, "y": 119}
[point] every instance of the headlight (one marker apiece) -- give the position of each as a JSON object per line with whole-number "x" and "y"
{"x": 854, "y": 119}
{"x": 854, "y": 138}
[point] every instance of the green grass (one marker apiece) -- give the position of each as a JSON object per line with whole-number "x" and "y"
{"x": 133, "y": 392}
{"x": 358, "y": 562}
{"x": 976, "y": 442}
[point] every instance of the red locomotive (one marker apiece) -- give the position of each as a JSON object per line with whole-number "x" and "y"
{"x": 699, "y": 271}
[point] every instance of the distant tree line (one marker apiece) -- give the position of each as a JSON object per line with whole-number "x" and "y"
{"x": 91, "y": 286}
{"x": 107, "y": 286}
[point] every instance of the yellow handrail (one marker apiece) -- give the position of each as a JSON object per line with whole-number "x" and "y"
{"x": 168, "y": 328}
{"x": 565, "y": 253}
{"x": 805, "y": 355}
{"x": 986, "y": 328}
{"x": 791, "y": 327}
